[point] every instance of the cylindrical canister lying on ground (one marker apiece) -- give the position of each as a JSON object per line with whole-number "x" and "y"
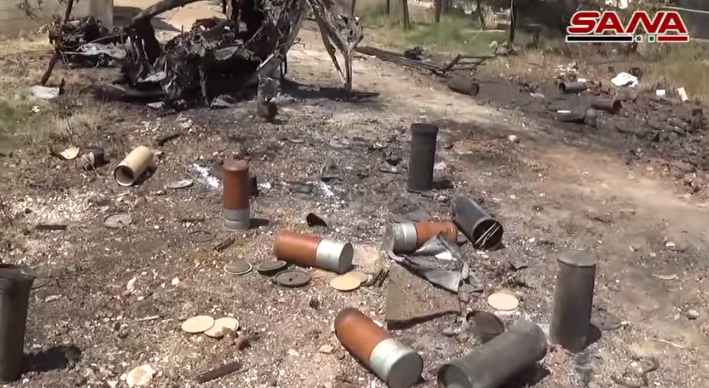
{"x": 573, "y": 300}
{"x": 422, "y": 157}
{"x": 15, "y": 286}
{"x": 236, "y": 195}
{"x": 463, "y": 85}
{"x": 572, "y": 87}
{"x": 310, "y": 250}
{"x": 133, "y": 166}
{"x": 408, "y": 237}
{"x": 393, "y": 362}
{"x": 497, "y": 361}
{"x": 481, "y": 230}
{"x": 606, "y": 104}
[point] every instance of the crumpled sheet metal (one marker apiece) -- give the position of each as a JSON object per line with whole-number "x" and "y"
{"x": 424, "y": 264}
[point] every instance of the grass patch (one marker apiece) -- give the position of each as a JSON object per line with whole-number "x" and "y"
{"x": 29, "y": 124}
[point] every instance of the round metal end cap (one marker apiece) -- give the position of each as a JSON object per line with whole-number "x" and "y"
{"x": 400, "y": 238}
{"x": 450, "y": 376}
{"x": 406, "y": 371}
{"x": 292, "y": 278}
{"x": 238, "y": 268}
{"x": 235, "y": 165}
{"x": 335, "y": 256}
{"x": 578, "y": 259}
{"x": 271, "y": 267}
{"x": 119, "y": 220}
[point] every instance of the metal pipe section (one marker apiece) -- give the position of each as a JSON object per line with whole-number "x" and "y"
{"x": 422, "y": 157}
{"x": 573, "y": 300}
{"x": 572, "y": 87}
{"x": 237, "y": 195}
{"x": 606, "y": 104}
{"x": 494, "y": 363}
{"x": 15, "y": 286}
{"x": 479, "y": 228}
{"x": 309, "y": 250}
{"x": 463, "y": 85}
{"x": 393, "y": 362}
{"x": 408, "y": 237}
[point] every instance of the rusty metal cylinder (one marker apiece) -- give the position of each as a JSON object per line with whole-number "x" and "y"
{"x": 408, "y": 237}
{"x": 609, "y": 105}
{"x": 237, "y": 195}
{"x": 497, "y": 361}
{"x": 422, "y": 157}
{"x": 573, "y": 300}
{"x": 572, "y": 87}
{"x": 395, "y": 363}
{"x": 309, "y": 250}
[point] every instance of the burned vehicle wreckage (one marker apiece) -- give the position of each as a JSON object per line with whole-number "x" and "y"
{"x": 246, "y": 49}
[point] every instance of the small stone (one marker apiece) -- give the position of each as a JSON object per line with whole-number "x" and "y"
{"x": 326, "y": 349}
{"x": 140, "y": 376}
{"x": 464, "y": 297}
{"x": 449, "y": 332}
{"x": 692, "y": 314}
{"x": 513, "y": 138}
{"x": 463, "y": 337}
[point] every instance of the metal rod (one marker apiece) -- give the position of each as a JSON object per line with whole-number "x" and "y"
{"x": 422, "y": 157}
{"x": 497, "y": 361}
{"x": 573, "y": 300}
{"x": 15, "y": 286}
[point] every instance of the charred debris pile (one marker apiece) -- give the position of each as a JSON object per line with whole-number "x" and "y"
{"x": 245, "y": 49}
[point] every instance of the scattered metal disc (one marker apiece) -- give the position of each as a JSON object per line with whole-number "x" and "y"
{"x": 238, "y": 268}
{"x": 181, "y": 184}
{"x": 271, "y": 267}
{"x": 118, "y": 220}
{"x": 346, "y": 282}
{"x": 198, "y": 324}
{"x": 222, "y": 327}
{"x": 39, "y": 283}
{"x": 201, "y": 236}
{"x": 363, "y": 277}
{"x": 503, "y": 301}
{"x": 292, "y": 278}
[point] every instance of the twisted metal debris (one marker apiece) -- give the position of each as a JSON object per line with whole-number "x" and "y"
{"x": 246, "y": 49}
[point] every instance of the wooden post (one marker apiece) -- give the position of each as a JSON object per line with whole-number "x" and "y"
{"x": 388, "y": 7}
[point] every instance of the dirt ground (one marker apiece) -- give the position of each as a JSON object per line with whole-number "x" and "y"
{"x": 637, "y": 203}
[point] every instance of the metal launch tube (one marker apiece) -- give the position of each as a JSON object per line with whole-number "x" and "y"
{"x": 310, "y": 250}
{"x": 393, "y": 362}
{"x": 422, "y": 157}
{"x": 237, "y": 193}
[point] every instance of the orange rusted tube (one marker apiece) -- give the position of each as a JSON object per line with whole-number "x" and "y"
{"x": 310, "y": 250}
{"x": 393, "y": 362}
{"x": 237, "y": 193}
{"x": 408, "y": 237}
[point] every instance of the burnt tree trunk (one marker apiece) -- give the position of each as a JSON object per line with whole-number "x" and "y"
{"x": 513, "y": 23}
